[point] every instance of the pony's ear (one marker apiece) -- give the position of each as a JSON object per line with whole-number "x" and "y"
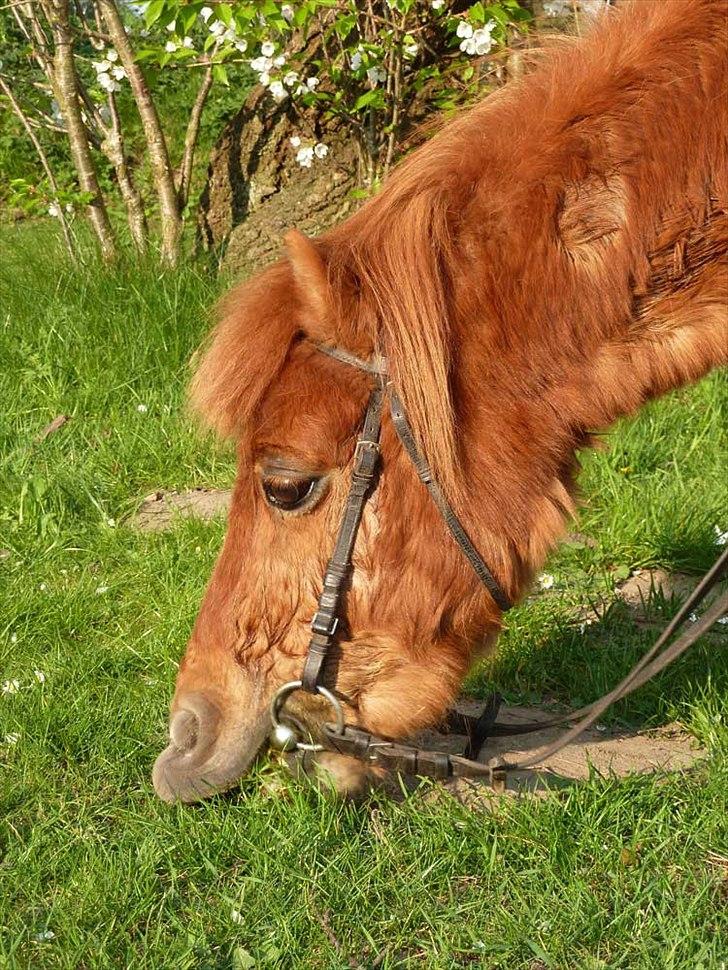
{"x": 311, "y": 280}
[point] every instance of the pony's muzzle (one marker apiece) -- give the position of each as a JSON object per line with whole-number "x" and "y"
{"x": 205, "y": 754}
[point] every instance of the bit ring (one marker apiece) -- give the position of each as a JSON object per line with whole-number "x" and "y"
{"x": 284, "y": 692}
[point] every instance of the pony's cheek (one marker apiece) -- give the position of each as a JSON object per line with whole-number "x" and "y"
{"x": 396, "y": 695}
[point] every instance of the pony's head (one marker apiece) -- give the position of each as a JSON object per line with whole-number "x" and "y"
{"x": 414, "y": 611}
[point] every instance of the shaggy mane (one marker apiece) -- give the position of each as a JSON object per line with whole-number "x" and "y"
{"x": 245, "y": 352}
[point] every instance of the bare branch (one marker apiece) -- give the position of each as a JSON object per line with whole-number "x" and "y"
{"x": 68, "y": 239}
{"x": 192, "y": 134}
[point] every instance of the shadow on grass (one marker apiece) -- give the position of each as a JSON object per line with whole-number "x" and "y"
{"x": 572, "y": 661}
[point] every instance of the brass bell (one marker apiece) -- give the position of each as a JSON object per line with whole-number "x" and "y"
{"x": 283, "y": 738}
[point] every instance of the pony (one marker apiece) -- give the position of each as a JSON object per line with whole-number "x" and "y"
{"x": 549, "y": 261}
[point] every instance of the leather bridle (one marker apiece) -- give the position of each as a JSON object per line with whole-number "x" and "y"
{"x": 329, "y": 617}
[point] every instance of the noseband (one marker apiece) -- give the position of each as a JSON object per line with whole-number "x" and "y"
{"x": 327, "y": 621}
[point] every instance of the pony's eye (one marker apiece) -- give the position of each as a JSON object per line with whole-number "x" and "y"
{"x": 288, "y": 493}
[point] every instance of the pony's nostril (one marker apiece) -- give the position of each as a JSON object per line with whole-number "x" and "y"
{"x": 184, "y": 730}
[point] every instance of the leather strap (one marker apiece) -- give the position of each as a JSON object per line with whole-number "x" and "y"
{"x": 408, "y": 759}
{"x": 455, "y": 527}
{"x": 378, "y": 365}
{"x": 326, "y": 619}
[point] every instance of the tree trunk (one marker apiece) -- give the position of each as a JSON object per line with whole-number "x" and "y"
{"x": 162, "y": 173}
{"x": 113, "y": 148}
{"x": 65, "y": 85}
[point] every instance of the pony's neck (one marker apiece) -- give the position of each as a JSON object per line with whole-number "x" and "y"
{"x": 594, "y": 257}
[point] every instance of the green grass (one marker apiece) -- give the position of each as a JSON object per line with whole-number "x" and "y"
{"x": 612, "y": 874}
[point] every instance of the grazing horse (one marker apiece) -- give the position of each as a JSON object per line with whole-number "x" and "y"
{"x": 552, "y": 259}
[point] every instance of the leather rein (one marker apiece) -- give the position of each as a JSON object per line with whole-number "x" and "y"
{"x": 327, "y": 621}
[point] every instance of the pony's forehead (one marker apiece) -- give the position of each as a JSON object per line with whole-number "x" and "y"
{"x": 312, "y": 410}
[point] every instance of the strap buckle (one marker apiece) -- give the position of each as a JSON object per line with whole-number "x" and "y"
{"x": 366, "y": 457}
{"x": 323, "y": 624}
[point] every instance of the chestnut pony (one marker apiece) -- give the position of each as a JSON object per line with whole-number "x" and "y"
{"x": 552, "y": 259}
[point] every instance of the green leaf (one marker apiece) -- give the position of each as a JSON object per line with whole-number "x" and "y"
{"x": 243, "y": 959}
{"x": 476, "y": 14}
{"x": 155, "y": 9}
{"x": 147, "y": 54}
{"x": 225, "y": 13}
{"x": 370, "y": 99}
{"x": 219, "y": 74}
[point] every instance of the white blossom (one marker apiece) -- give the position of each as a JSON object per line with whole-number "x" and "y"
{"x": 54, "y": 210}
{"x": 267, "y": 48}
{"x": 356, "y": 60}
{"x": 237, "y": 917}
{"x": 44, "y": 936}
{"x": 14, "y": 638}
{"x": 546, "y": 581}
{"x": 290, "y": 79}
{"x": 437, "y": 4}
{"x": 287, "y": 12}
{"x": 39, "y": 676}
{"x": 100, "y": 590}
{"x": 723, "y": 620}
{"x": 101, "y": 67}
{"x": 295, "y": 141}
{"x": 480, "y": 42}
{"x": 376, "y": 75}
{"x": 111, "y": 523}
{"x": 464, "y": 29}
{"x": 218, "y": 28}
{"x": 43, "y": 587}
{"x": 11, "y": 686}
{"x": 11, "y": 739}
{"x": 188, "y": 43}
{"x": 594, "y": 8}
{"x": 142, "y": 408}
{"x": 264, "y": 79}
{"x": 410, "y": 50}
{"x": 206, "y": 13}
{"x": 118, "y": 72}
{"x": 108, "y": 83}
{"x": 693, "y": 617}
{"x": 69, "y": 208}
{"x": 320, "y": 150}
{"x": 172, "y": 27}
{"x": 312, "y": 83}
{"x": 280, "y": 60}
{"x": 304, "y": 157}
{"x": 721, "y": 537}
{"x": 278, "y": 91}
{"x": 170, "y": 47}
{"x": 241, "y": 45}
{"x": 111, "y": 55}
{"x": 261, "y": 64}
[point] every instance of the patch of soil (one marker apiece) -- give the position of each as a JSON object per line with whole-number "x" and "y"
{"x": 162, "y": 509}
{"x": 644, "y": 584}
{"x": 611, "y": 751}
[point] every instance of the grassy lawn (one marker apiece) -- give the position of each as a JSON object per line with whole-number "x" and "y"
{"x": 96, "y": 873}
